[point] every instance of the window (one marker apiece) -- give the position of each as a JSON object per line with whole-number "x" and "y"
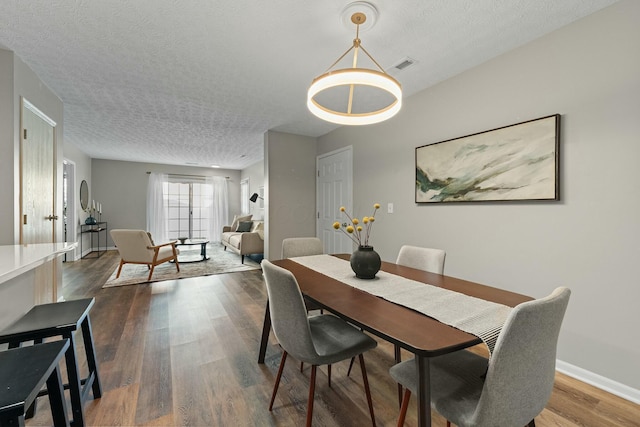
{"x": 189, "y": 208}
{"x": 244, "y": 196}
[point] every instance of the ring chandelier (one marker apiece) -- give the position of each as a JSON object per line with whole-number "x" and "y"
{"x": 353, "y": 77}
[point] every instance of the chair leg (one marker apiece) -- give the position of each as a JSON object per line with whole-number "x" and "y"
{"x": 405, "y": 405}
{"x": 151, "y": 272}
{"x": 353, "y": 359}
{"x": 532, "y": 423}
{"x": 367, "y": 390}
{"x": 312, "y": 389}
{"x": 275, "y": 386}
{"x": 120, "y": 268}
{"x": 329, "y": 374}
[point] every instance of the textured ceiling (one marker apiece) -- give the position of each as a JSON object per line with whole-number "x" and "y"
{"x": 200, "y": 81}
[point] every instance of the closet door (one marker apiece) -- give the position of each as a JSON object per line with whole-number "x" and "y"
{"x": 37, "y": 191}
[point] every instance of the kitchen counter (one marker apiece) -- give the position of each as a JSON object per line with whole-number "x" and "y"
{"x": 28, "y": 277}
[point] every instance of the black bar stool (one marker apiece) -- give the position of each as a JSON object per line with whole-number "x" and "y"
{"x": 62, "y": 319}
{"x": 23, "y": 372}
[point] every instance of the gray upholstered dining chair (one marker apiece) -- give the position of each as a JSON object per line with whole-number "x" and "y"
{"x": 427, "y": 259}
{"x": 318, "y": 340}
{"x": 513, "y": 386}
{"x": 301, "y": 246}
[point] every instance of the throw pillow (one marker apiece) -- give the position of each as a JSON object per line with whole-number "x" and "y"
{"x": 244, "y": 226}
{"x": 237, "y": 219}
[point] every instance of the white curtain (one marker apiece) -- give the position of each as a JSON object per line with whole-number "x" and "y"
{"x": 157, "y": 207}
{"x": 218, "y": 217}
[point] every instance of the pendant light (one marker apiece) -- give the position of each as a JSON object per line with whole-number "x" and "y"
{"x": 355, "y": 77}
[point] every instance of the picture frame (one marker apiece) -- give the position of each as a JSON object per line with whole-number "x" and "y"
{"x": 511, "y": 163}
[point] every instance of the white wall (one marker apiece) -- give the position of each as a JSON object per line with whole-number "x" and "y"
{"x": 121, "y": 188}
{"x": 589, "y": 72}
{"x": 16, "y": 81}
{"x": 255, "y": 174}
{"x": 290, "y": 192}
{"x": 8, "y": 160}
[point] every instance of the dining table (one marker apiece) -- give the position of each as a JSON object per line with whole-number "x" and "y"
{"x": 406, "y": 328}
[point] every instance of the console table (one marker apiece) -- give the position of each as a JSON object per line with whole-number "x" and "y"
{"x": 94, "y": 230}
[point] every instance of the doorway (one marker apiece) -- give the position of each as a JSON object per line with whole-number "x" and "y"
{"x": 69, "y": 204}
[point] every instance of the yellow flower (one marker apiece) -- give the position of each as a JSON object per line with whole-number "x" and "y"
{"x": 358, "y": 230}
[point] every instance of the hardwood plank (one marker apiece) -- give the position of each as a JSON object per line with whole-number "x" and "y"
{"x": 155, "y": 395}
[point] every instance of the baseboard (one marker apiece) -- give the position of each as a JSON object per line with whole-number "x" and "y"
{"x": 603, "y": 383}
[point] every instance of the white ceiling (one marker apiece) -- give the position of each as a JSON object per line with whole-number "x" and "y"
{"x": 201, "y": 81}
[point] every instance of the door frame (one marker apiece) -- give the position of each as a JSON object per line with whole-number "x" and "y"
{"x": 72, "y": 201}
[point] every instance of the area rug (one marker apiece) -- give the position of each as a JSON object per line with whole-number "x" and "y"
{"x": 219, "y": 262}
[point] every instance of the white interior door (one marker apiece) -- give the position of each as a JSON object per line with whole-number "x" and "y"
{"x": 37, "y": 193}
{"x": 334, "y": 188}
{"x": 37, "y": 185}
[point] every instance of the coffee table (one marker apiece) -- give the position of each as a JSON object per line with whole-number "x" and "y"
{"x": 194, "y": 258}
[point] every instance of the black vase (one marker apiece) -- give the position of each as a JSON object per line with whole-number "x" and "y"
{"x": 365, "y": 262}
{"x": 90, "y": 221}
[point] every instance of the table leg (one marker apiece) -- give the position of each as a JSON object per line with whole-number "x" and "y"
{"x": 398, "y": 356}
{"x": 424, "y": 391}
{"x": 266, "y": 327}
{"x": 203, "y": 251}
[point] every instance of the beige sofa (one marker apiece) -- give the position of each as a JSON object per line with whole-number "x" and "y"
{"x": 243, "y": 242}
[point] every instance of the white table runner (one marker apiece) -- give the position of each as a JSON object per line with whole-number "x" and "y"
{"x": 476, "y": 316}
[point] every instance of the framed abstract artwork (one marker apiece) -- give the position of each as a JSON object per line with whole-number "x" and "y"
{"x": 516, "y": 162}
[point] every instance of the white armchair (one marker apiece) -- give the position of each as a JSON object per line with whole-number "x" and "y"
{"x": 136, "y": 247}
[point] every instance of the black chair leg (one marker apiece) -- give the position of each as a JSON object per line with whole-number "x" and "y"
{"x": 75, "y": 386}
{"x": 56, "y": 399}
{"x": 87, "y": 336}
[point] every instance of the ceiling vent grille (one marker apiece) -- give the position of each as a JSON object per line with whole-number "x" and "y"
{"x": 404, "y": 64}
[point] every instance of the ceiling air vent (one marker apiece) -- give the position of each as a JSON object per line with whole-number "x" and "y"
{"x": 404, "y": 64}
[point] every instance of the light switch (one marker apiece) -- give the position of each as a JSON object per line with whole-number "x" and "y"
{"x": 389, "y": 207}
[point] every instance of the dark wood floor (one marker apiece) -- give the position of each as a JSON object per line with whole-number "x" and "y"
{"x": 185, "y": 353}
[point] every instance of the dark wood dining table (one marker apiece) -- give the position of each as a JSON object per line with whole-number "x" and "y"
{"x": 415, "y": 332}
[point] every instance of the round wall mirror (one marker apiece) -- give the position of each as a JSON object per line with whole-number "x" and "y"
{"x": 84, "y": 195}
